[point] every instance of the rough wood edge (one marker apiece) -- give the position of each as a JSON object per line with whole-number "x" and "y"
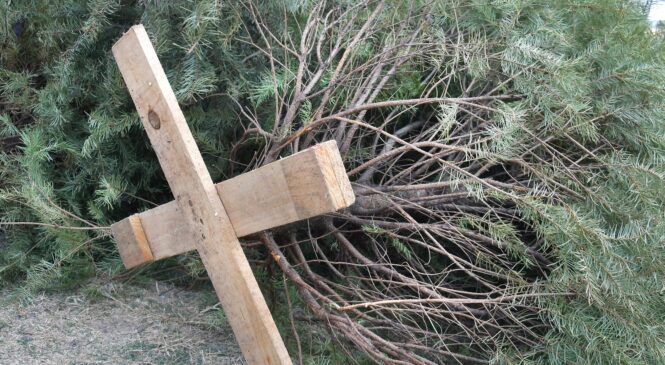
{"x": 332, "y": 165}
{"x": 132, "y": 242}
{"x": 141, "y": 239}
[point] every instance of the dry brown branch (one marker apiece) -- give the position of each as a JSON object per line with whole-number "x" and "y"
{"x": 430, "y": 264}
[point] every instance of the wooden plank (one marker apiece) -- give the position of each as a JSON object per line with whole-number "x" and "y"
{"x": 315, "y": 190}
{"x": 167, "y": 231}
{"x": 132, "y": 241}
{"x": 258, "y": 199}
{"x": 252, "y": 207}
{"x": 309, "y": 183}
{"x": 198, "y": 201}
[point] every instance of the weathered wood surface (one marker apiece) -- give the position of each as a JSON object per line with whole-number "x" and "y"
{"x": 306, "y": 184}
{"x": 198, "y": 201}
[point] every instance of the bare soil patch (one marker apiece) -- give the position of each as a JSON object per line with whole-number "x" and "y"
{"x": 115, "y": 323}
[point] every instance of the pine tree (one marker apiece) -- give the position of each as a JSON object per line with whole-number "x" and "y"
{"x": 507, "y": 158}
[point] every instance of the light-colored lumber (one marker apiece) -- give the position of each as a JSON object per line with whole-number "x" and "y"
{"x": 198, "y": 201}
{"x": 309, "y": 183}
{"x": 132, "y": 241}
{"x": 315, "y": 190}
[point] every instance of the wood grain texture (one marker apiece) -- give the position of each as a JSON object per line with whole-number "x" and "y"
{"x": 259, "y": 200}
{"x": 334, "y": 175}
{"x": 132, "y": 241}
{"x": 310, "y": 183}
{"x": 197, "y": 199}
{"x": 167, "y": 231}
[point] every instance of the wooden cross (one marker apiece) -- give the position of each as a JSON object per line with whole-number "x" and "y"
{"x": 209, "y": 217}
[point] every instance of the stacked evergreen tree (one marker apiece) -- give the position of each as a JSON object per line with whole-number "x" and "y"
{"x": 507, "y": 157}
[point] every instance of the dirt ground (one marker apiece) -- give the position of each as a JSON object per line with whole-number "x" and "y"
{"x": 113, "y": 323}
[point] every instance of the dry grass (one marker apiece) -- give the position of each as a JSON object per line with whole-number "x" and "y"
{"x": 111, "y": 323}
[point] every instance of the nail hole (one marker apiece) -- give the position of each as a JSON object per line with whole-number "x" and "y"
{"x": 154, "y": 120}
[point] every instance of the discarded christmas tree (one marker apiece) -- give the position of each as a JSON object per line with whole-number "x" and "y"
{"x": 507, "y": 161}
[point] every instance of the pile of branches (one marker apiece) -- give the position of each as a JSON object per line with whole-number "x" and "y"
{"x": 506, "y": 157}
{"x": 467, "y": 152}
{"x": 438, "y": 258}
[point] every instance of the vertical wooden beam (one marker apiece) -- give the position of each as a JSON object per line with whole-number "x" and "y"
{"x": 198, "y": 201}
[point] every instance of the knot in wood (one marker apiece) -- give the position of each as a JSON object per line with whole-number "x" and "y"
{"x": 154, "y": 120}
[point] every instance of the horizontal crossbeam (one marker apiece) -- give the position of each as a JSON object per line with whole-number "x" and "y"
{"x": 309, "y": 183}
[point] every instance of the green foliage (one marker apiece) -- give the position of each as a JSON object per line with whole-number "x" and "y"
{"x": 582, "y": 70}
{"x": 78, "y": 141}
